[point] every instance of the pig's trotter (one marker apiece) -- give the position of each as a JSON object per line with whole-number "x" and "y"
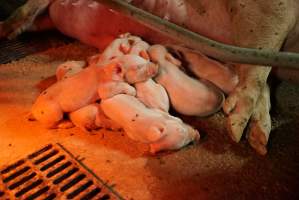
{"x": 260, "y": 124}
{"x": 239, "y": 107}
{"x": 23, "y": 18}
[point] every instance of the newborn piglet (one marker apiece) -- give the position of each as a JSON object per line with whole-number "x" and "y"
{"x": 203, "y": 67}
{"x": 123, "y": 45}
{"x": 81, "y": 89}
{"x": 187, "y": 95}
{"x": 152, "y": 126}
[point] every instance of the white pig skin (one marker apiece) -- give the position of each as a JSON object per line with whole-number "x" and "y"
{"x": 187, "y": 95}
{"x": 81, "y": 89}
{"x": 68, "y": 69}
{"x": 153, "y": 95}
{"x": 147, "y": 125}
{"x": 92, "y": 117}
{"x": 222, "y": 76}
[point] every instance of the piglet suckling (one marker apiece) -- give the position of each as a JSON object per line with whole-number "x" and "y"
{"x": 187, "y": 95}
{"x": 222, "y": 76}
{"x": 161, "y": 130}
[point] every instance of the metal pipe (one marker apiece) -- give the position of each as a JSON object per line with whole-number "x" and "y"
{"x": 217, "y": 50}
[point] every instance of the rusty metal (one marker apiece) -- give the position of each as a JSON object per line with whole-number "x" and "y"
{"x": 29, "y": 43}
{"x": 52, "y": 173}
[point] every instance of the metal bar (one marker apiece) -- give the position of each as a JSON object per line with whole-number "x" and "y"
{"x": 203, "y": 44}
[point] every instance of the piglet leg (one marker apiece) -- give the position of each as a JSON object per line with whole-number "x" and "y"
{"x": 92, "y": 117}
{"x": 112, "y": 88}
{"x": 152, "y": 94}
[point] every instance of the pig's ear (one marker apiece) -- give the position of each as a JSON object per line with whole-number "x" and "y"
{"x": 117, "y": 72}
{"x": 172, "y": 59}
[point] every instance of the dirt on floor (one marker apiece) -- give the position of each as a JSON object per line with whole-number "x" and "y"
{"x": 215, "y": 168}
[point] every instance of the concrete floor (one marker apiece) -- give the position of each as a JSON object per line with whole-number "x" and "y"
{"x": 216, "y": 168}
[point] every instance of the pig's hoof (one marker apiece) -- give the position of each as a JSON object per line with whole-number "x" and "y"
{"x": 257, "y": 136}
{"x": 23, "y": 18}
{"x": 260, "y": 124}
{"x": 239, "y": 107}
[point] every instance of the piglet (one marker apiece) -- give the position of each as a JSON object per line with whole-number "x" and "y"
{"x": 161, "y": 130}
{"x": 81, "y": 89}
{"x": 221, "y": 75}
{"x": 188, "y": 96}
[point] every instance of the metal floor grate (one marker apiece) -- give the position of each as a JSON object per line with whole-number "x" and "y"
{"x": 29, "y": 43}
{"x": 51, "y": 173}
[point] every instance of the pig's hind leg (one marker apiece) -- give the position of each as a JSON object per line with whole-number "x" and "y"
{"x": 24, "y": 17}
{"x": 260, "y": 123}
{"x": 257, "y": 29}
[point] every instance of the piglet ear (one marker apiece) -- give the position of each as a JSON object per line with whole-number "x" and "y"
{"x": 117, "y": 72}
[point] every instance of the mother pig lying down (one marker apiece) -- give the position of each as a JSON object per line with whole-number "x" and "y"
{"x": 131, "y": 86}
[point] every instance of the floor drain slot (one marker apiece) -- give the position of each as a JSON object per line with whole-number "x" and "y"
{"x": 16, "y": 174}
{"x": 59, "y": 169}
{"x": 22, "y": 181}
{"x": 11, "y": 167}
{"x": 46, "y": 157}
{"x": 52, "y": 173}
{"x": 65, "y": 176}
{"x": 28, "y": 188}
{"x": 72, "y": 182}
{"x": 79, "y": 190}
{"x": 52, "y": 163}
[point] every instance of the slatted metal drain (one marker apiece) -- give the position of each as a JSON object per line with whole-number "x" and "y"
{"x": 29, "y": 43}
{"x": 52, "y": 173}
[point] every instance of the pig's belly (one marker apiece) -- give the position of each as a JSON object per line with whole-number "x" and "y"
{"x": 94, "y": 24}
